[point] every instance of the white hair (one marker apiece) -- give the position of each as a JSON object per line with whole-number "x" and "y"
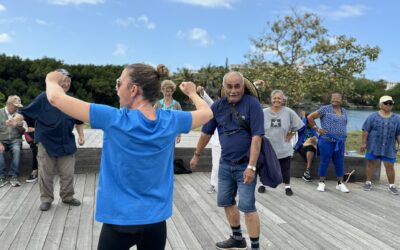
{"x": 231, "y": 73}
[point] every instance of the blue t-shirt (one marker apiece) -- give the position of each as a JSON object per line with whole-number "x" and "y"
{"x": 53, "y": 128}
{"x": 136, "y": 170}
{"x": 332, "y": 123}
{"x": 235, "y": 140}
{"x": 382, "y": 134}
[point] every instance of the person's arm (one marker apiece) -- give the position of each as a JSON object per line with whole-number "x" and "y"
{"x": 311, "y": 120}
{"x": 71, "y": 106}
{"x": 398, "y": 144}
{"x": 203, "y": 113}
{"x": 201, "y": 144}
{"x": 364, "y": 137}
{"x": 81, "y": 135}
{"x": 255, "y": 147}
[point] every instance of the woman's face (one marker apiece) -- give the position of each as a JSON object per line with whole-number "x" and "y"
{"x": 277, "y": 100}
{"x": 336, "y": 99}
{"x": 167, "y": 92}
{"x": 124, "y": 89}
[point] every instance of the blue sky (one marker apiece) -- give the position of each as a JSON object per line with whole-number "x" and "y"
{"x": 183, "y": 33}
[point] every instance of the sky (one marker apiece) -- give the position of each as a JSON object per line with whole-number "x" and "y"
{"x": 184, "y": 33}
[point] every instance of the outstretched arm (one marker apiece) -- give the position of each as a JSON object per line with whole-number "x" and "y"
{"x": 71, "y": 106}
{"x": 203, "y": 113}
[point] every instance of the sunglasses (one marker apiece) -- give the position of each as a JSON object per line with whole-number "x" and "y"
{"x": 118, "y": 83}
{"x": 388, "y": 103}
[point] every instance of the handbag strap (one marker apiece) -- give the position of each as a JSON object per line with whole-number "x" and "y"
{"x": 242, "y": 122}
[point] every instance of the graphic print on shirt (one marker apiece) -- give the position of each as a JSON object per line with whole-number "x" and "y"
{"x": 275, "y": 123}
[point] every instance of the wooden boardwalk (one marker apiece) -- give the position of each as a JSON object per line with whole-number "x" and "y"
{"x": 307, "y": 220}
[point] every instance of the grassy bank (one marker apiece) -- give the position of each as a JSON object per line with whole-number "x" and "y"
{"x": 353, "y": 141}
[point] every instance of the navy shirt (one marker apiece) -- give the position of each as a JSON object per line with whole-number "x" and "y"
{"x": 235, "y": 141}
{"x": 53, "y": 128}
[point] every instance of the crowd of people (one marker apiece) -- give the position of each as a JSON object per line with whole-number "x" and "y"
{"x": 141, "y": 134}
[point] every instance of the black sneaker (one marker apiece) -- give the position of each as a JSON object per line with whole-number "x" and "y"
{"x": 307, "y": 176}
{"x": 288, "y": 191}
{"x": 72, "y": 202}
{"x": 231, "y": 243}
{"x": 32, "y": 178}
{"x": 261, "y": 189}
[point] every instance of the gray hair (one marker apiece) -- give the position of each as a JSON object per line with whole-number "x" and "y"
{"x": 232, "y": 73}
{"x": 276, "y": 91}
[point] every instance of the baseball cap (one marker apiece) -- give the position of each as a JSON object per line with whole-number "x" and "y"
{"x": 385, "y": 98}
{"x": 64, "y": 72}
{"x": 15, "y": 100}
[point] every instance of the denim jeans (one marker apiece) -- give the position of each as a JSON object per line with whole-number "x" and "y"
{"x": 230, "y": 183}
{"x": 14, "y": 147}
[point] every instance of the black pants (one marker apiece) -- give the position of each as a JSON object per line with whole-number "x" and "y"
{"x": 146, "y": 237}
{"x": 34, "y": 150}
{"x": 285, "y": 168}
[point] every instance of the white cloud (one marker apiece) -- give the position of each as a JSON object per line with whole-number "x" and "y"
{"x": 2, "y": 8}
{"x": 120, "y": 50}
{"x": 198, "y": 35}
{"x": 13, "y": 20}
{"x": 142, "y": 21}
{"x": 74, "y": 2}
{"x": 221, "y": 37}
{"x": 209, "y": 3}
{"x": 343, "y": 11}
{"x": 41, "y": 22}
{"x": 5, "y": 38}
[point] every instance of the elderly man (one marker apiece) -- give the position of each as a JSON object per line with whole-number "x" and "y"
{"x": 381, "y": 133}
{"x": 10, "y": 140}
{"x": 56, "y": 146}
{"x": 239, "y": 153}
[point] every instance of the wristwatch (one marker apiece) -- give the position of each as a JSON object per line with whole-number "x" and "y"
{"x": 252, "y": 167}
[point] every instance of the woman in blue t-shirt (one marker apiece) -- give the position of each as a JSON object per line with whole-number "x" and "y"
{"x": 134, "y": 196}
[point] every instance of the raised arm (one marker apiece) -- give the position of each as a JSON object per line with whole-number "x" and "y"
{"x": 71, "y": 106}
{"x": 203, "y": 113}
{"x": 311, "y": 120}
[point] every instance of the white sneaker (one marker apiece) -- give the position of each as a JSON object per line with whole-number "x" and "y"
{"x": 321, "y": 187}
{"x": 342, "y": 188}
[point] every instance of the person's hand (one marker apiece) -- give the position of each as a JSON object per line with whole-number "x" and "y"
{"x": 363, "y": 147}
{"x": 1, "y": 148}
{"x": 248, "y": 176}
{"x": 321, "y": 131}
{"x": 188, "y": 88}
{"x": 30, "y": 129}
{"x": 81, "y": 140}
{"x": 289, "y": 136}
{"x": 194, "y": 161}
{"x": 200, "y": 91}
{"x": 178, "y": 139}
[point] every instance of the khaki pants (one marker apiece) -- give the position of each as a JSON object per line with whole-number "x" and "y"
{"x": 48, "y": 168}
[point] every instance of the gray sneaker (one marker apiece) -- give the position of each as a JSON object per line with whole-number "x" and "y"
{"x": 3, "y": 182}
{"x": 367, "y": 186}
{"x": 15, "y": 182}
{"x": 393, "y": 190}
{"x": 211, "y": 189}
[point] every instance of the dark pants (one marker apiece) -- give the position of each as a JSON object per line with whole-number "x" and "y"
{"x": 285, "y": 168}
{"x": 145, "y": 237}
{"x": 34, "y": 151}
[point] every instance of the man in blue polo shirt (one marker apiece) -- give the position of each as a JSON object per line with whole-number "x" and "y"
{"x": 240, "y": 150}
{"x": 56, "y": 146}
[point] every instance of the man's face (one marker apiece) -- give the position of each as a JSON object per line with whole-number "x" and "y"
{"x": 386, "y": 106}
{"x": 66, "y": 84}
{"x": 234, "y": 88}
{"x": 11, "y": 108}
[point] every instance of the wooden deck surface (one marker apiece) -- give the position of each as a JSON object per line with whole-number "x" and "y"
{"x": 307, "y": 220}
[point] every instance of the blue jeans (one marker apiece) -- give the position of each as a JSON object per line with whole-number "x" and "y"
{"x": 230, "y": 183}
{"x": 14, "y": 147}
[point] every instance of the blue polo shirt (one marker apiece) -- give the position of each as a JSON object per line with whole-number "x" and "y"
{"x": 235, "y": 141}
{"x": 53, "y": 128}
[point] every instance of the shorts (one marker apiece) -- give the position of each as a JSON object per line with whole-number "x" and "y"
{"x": 230, "y": 183}
{"x": 303, "y": 151}
{"x": 372, "y": 157}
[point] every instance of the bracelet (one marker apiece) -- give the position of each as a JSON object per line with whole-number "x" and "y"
{"x": 196, "y": 154}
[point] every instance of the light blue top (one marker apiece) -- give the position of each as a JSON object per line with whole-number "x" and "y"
{"x": 136, "y": 171}
{"x": 382, "y": 134}
{"x": 332, "y": 123}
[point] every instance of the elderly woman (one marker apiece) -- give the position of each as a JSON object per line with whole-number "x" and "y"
{"x": 168, "y": 88}
{"x": 332, "y": 139}
{"x": 281, "y": 124}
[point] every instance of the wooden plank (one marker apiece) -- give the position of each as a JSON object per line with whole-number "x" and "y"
{"x": 72, "y": 221}
{"x": 85, "y": 232}
{"x": 96, "y": 225}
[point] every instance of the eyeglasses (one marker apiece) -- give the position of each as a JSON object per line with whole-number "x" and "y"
{"x": 118, "y": 83}
{"x": 388, "y": 103}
